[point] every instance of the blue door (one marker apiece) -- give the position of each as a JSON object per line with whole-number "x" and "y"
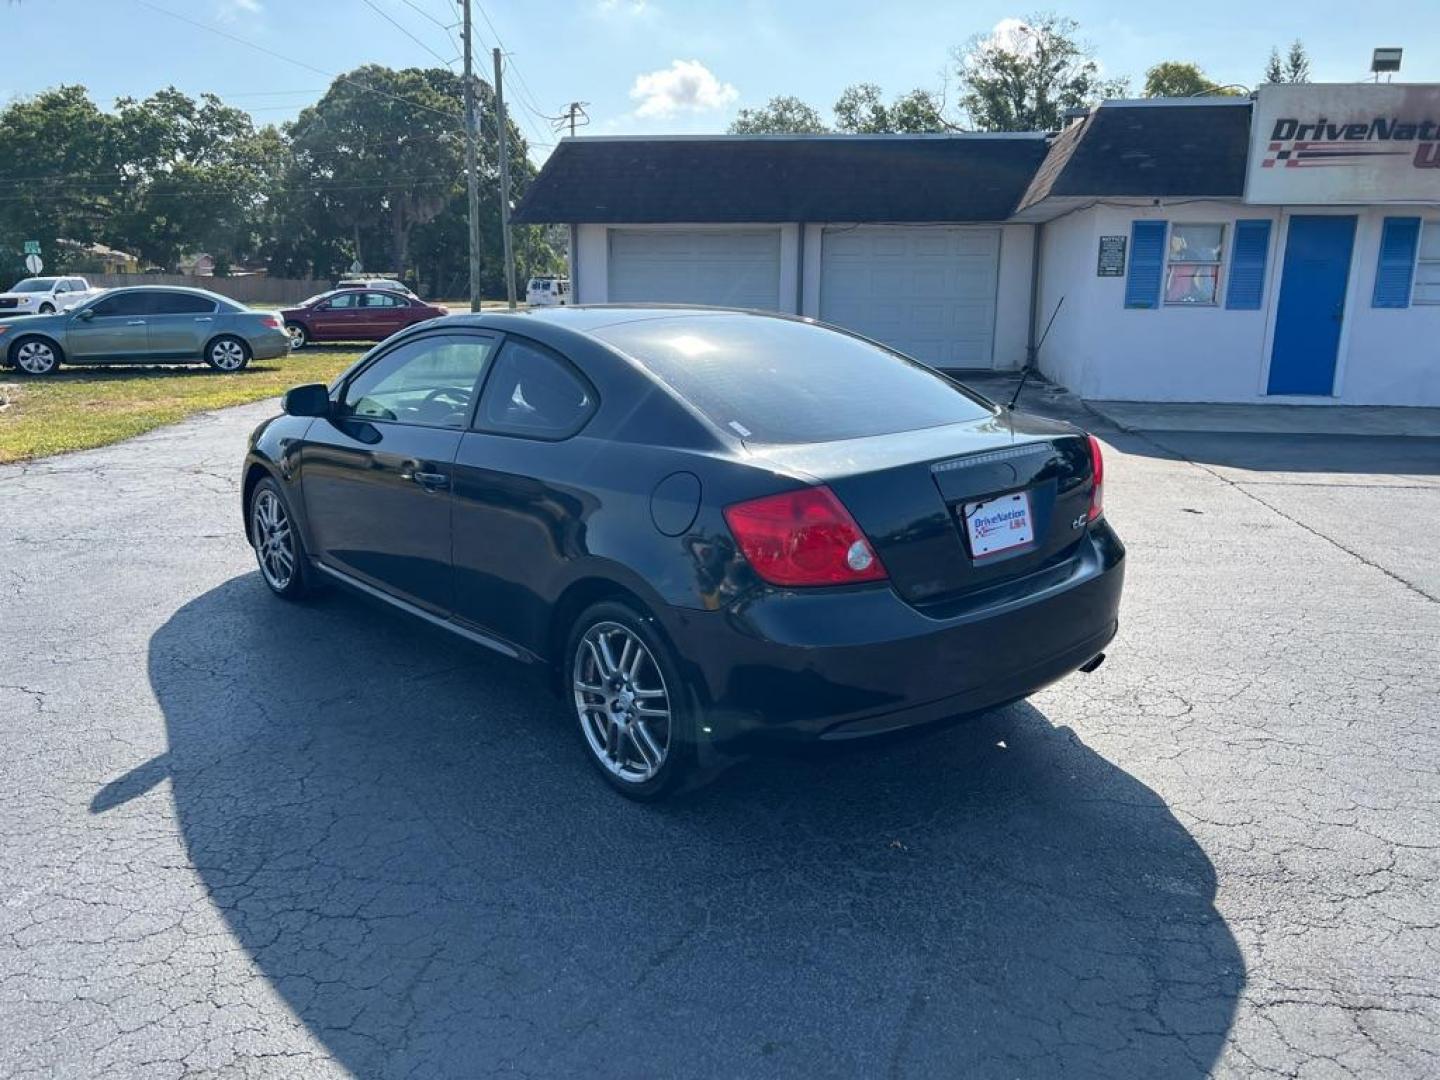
{"x": 1312, "y": 304}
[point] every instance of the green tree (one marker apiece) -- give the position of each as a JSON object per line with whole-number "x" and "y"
{"x": 378, "y": 173}
{"x": 1179, "y": 78}
{"x": 381, "y": 153}
{"x": 195, "y": 178}
{"x": 1025, "y": 76}
{"x": 861, "y": 109}
{"x": 1294, "y": 68}
{"x": 779, "y": 116}
{"x": 59, "y": 174}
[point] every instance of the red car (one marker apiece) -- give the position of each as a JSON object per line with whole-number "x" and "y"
{"x": 355, "y": 315}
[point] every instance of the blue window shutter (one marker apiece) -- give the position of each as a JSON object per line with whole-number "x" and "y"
{"x": 1147, "y": 262}
{"x": 1247, "y": 266}
{"x": 1397, "y": 262}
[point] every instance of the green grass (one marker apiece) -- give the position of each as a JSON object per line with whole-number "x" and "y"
{"x": 77, "y": 408}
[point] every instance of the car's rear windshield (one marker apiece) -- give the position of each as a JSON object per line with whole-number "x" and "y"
{"x": 781, "y": 381}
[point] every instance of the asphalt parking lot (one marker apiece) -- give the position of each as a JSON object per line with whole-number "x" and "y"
{"x": 247, "y": 839}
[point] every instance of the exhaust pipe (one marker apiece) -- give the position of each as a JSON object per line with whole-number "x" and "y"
{"x": 1093, "y": 663}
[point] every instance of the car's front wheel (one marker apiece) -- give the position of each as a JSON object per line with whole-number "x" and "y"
{"x": 35, "y": 356}
{"x": 227, "y": 354}
{"x": 47, "y": 309}
{"x": 629, "y": 701}
{"x": 278, "y": 547}
{"x": 299, "y": 337}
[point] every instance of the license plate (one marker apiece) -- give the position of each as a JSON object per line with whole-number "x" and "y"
{"x": 997, "y": 525}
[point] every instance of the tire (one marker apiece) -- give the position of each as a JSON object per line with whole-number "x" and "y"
{"x": 299, "y": 336}
{"x": 275, "y": 540}
{"x": 625, "y": 749}
{"x": 36, "y": 356}
{"x": 228, "y": 354}
{"x": 47, "y": 309}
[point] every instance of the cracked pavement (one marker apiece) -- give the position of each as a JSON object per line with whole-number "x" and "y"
{"x": 242, "y": 838}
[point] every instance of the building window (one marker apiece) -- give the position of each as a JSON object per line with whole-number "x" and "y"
{"x": 1192, "y": 265}
{"x": 1427, "y": 265}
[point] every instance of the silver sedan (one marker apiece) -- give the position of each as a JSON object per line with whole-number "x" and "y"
{"x": 144, "y": 325}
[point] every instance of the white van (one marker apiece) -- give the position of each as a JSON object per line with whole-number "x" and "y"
{"x": 547, "y": 291}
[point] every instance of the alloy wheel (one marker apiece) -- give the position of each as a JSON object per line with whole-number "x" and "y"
{"x": 274, "y": 540}
{"x": 35, "y": 357}
{"x": 622, "y": 702}
{"x": 297, "y": 335}
{"x": 227, "y": 355}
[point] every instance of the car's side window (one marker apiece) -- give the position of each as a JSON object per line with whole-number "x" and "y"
{"x": 534, "y": 392}
{"x": 132, "y": 303}
{"x": 343, "y": 300}
{"x": 376, "y": 299}
{"x": 428, "y": 381}
{"x": 165, "y": 303}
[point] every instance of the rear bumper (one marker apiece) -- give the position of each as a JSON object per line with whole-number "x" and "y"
{"x": 847, "y": 664}
{"x": 270, "y": 345}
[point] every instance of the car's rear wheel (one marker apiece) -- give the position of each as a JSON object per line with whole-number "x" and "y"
{"x": 227, "y": 353}
{"x": 35, "y": 356}
{"x": 299, "y": 337}
{"x": 629, "y": 701}
{"x": 278, "y": 548}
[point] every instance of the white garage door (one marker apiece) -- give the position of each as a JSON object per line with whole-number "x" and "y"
{"x": 724, "y": 267}
{"x": 928, "y": 291}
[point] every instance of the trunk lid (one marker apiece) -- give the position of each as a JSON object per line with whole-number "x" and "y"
{"x": 910, "y": 492}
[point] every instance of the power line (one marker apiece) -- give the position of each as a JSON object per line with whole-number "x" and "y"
{"x": 447, "y": 27}
{"x": 320, "y": 189}
{"x": 385, "y": 15}
{"x": 291, "y": 60}
{"x": 509, "y": 59}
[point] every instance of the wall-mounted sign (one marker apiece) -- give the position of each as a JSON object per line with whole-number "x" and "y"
{"x": 1344, "y": 144}
{"x": 1111, "y": 262}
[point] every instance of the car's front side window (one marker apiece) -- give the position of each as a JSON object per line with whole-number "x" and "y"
{"x": 428, "y": 381}
{"x": 122, "y": 304}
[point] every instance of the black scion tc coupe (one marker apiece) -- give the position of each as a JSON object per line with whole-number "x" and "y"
{"x": 719, "y": 527}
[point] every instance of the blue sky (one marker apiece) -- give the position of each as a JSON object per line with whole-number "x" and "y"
{"x": 653, "y": 66}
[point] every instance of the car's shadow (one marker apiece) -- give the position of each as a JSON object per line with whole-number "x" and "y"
{"x": 403, "y": 834}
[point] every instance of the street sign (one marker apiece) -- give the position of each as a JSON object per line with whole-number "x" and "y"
{"x": 34, "y": 264}
{"x": 32, "y": 247}
{"x": 355, "y": 267}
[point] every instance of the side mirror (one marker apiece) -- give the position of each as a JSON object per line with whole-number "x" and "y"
{"x": 85, "y": 314}
{"x": 312, "y": 399}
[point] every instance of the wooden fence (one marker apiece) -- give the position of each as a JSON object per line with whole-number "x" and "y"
{"x": 248, "y": 290}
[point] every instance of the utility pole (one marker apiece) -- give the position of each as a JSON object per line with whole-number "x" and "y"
{"x": 472, "y": 179}
{"x": 500, "y": 123}
{"x": 574, "y": 112}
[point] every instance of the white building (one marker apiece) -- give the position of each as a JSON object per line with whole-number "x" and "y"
{"x": 1285, "y": 248}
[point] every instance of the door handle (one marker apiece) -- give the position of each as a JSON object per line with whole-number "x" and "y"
{"x": 428, "y": 480}
{"x": 205, "y": 318}
{"x": 136, "y": 322}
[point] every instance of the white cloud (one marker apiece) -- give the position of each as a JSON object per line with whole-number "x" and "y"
{"x": 1010, "y": 35}
{"x": 685, "y": 86}
{"x": 231, "y": 10}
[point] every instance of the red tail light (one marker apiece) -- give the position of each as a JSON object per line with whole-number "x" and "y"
{"x": 804, "y": 537}
{"x": 1097, "y": 466}
{"x": 273, "y": 321}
